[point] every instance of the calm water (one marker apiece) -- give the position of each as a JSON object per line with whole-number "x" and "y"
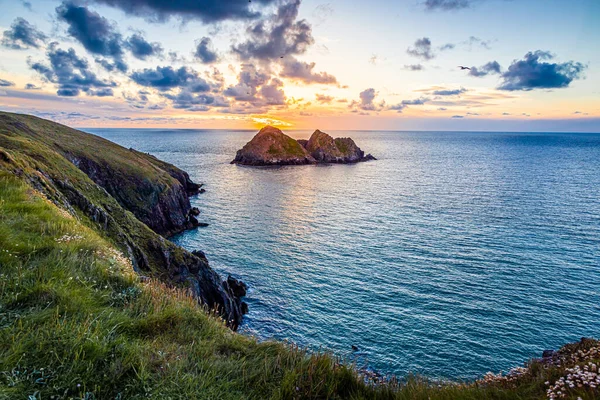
{"x": 452, "y": 255}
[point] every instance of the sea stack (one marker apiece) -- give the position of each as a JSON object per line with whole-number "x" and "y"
{"x": 325, "y": 149}
{"x": 271, "y": 146}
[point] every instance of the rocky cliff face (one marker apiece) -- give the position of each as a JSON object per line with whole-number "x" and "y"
{"x": 163, "y": 206}
{"x": 272, "y": 147}
{"x": 99, "y": 181}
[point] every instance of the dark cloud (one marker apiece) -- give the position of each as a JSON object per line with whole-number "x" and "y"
{"x": 207, "y": 11}
{"x": 301, "y": 71}
{"x": 5, "y": 83}
{"x": 94, "y": 32}
{"x": 448, "y": 92}
{"x": 422, "y": 49}
{"x": 190, "y": 101}
{"x": 446, "y": 5}
{"x": 276, "y": 36}
{"x": 447, "y": 46}
{"x": 166, "y": 78}
{"x": 22, "y": 35}
{"x": 490, "y": 68}
{"x": 414, "y": 67}
{"x": 112, "y": 66}
{"x": 31, "y": 86}
{"x": 256, "y": 88}
{"x": 535, "y": 72}
{"x": 204, "y": 51}
{"x": 71, "y": 74}
{"x": 272, "y": 94}
{"x": 142, "y": 49}
{"x": 405, "y": 103}
{"x": 27, "y": 5}
{"x": 324, "y": 99}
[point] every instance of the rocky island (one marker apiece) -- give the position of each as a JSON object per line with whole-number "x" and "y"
{"x": 270, "y": 146}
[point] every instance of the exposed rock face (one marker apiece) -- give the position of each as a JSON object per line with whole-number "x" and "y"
{"x": 272, "y": 147}
{"x": 326, "y": 149}
{"x": 162, "y": 204}
{"x": 84, "y": 175}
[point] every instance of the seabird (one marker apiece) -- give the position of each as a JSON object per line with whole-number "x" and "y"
{"x": 462, "y": 67}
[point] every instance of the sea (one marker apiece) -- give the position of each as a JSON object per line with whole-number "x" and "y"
{"x": 453, "y": 254}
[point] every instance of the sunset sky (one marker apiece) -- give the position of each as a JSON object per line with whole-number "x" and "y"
{"x": 378, "y": 64}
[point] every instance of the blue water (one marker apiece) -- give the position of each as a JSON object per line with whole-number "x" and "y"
{"x": 452, "y": 255}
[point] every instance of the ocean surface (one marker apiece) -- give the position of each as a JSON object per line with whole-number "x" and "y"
{"x": 452, "y": 255}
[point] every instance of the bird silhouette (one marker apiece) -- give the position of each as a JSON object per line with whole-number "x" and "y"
{"x": 462, "y": 67}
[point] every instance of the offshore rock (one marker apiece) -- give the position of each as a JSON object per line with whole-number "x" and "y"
{"x": 271, "y": 146}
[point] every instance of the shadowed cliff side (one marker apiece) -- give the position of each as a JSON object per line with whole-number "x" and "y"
{"x": 81, "y": 172}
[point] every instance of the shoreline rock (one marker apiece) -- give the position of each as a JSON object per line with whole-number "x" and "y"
{"x": 270, "y": 146}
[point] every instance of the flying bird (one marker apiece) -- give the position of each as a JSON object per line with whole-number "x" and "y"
{"x": 462, "y": 67}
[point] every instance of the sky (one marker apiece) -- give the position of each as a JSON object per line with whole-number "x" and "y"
{"x": 530, "y": 65}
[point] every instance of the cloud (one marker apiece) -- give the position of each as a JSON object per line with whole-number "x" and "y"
{"x": 301, "y": 71}
{"x": 367, "y": 98}
{"x": 490, "y": 68}
{"x": 204, "y": 51}
{"x": 442, "y": 108}
{"x": 140, "y": 48}
{"x": 449, "y": 92}
{"x": 94, "y": 32}
{"x": 323, "y": 99}
{"x": 5, "y": 83}
{"x": 190, "y": 101}
{"x": 475, "y": 41}
{"x": 457, "y": 116}
{"x": 208, "y": 11}
{"x": 166, "y": 78}
{"x": 276, "y": 36}
{"x": 447, "y": 46}
{"x": 421, "y": 49}
{"x": 249, "y": 79}
{"x": 414, "y": 67}
{"x": 22, "y": 35}
{"x": 446, "y": 5}
{"x": 31, "y": 86}
{"x": 272, "y": 94}
{"x": 71, "y": 74}
{"x": 405, "y": 103}
{"x": 535, "y": 72}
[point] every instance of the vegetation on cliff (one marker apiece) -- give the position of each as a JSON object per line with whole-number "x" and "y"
{"x": 49, "y": 157}
{"x": 76, "y": 321}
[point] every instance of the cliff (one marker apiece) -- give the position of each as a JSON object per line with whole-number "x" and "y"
{"x": 132, "y": 197}
{"x": 270, "y": 146}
